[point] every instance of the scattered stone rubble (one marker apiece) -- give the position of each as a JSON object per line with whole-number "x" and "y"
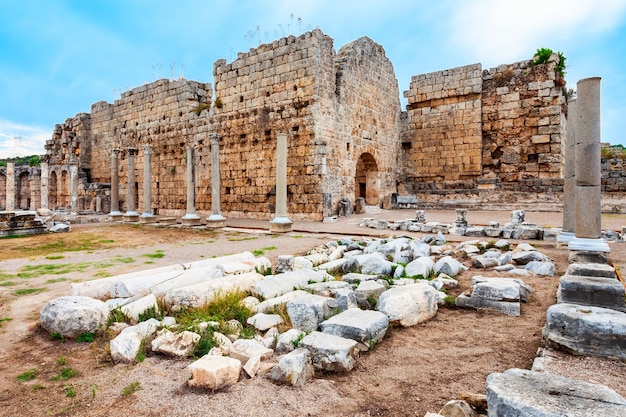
{"x": 382, "y": 281}
{"x": 517, "y": 228}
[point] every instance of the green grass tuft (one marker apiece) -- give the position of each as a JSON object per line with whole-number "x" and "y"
{"x": 28, "y": 375}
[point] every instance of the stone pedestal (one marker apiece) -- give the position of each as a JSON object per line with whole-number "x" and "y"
{"x": 215, "y": 220}
{"x": 147, "y": 216}
{"x": 587, "y": 169}
{"x": 115, "y": 214}
{"x": 281, "y": 222}
{"x": 131, "y": 214}
{"x": 461, "y": 218}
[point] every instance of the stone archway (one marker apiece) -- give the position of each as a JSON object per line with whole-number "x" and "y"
{"x": 366, "y": 180}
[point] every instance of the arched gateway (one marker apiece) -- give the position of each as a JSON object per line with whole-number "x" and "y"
{"x": 367, "y": 181}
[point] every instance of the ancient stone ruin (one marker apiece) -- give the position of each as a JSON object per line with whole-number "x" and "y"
{"x": 468, "y": 137}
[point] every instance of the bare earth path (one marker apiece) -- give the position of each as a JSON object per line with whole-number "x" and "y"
{"x": 412, "y": 371}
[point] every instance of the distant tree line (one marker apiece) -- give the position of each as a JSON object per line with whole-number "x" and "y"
{"x": 32, "y": 160}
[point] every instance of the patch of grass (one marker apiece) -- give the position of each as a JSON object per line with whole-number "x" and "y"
{"x": 57, "y": 336}
{"x": 106, "y": 241}
{"x": 240, "y": 239}
{"x": 131, "y": 388}
{"x": 4, "y": 319}
{"x": 296, "y": 342}
{"x": 259, "y": 252}
{"x": 55, "y": 280}
{"x": 102, "y": 274}
{"x": 37, "y": 387}
{"x": 141, "y": 355}
{"x": 65, "y": 374}
{"x": 117, "y": 316}
{"x": 449, "y": 301}
{"x": 69, "y": 391}
{"x": 156, "y": 255}
{"x": 205, "y": 344}
{"x": 61, "y": 361}
{"x": 297, "y": 236}
{"x": 53, "y": 257}
{"x": 86, "y": 337}
{"x": 28, "y": 375}
{"x": 150, "y": 313}
{"x": 7, "y": 283}
{"x": 28, "y": 291}
{"x": 281, "y": 310}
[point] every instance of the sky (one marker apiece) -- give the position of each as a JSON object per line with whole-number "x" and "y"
{"x": 59, "y": 57}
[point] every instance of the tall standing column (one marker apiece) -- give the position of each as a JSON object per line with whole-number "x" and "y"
{"x": 191, "y": 218}
{"x": 588, "y": 170}
{"x": 281, "y": 222}
{"x": 115, "y": 213}
{"x": 215, "y": 220}
{"x": 131, "y": 214}
{"x": 45, "y": 178}
{"x": 147, "y": 216}
{"x": 73, "y": 187}
{"x": 10, "y": 186}
{"x": 569, "y": 177}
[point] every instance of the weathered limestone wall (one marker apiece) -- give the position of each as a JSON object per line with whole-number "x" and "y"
{"x": 269, "y": 90}
{"x": 442, "y": 139}
{"x": 360, "y": 125}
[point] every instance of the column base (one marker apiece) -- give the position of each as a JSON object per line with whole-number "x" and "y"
{"x": 116, "y": 216}
{"x": 215, "y": 221}
{"x": 147, "y": 218}
{"x": 588, "y": 245}
{"x": 130, "y": 217}
{"x": 280, "y": 225}
{"x": 563, "y": 238}
{"x": 191, "y": 219}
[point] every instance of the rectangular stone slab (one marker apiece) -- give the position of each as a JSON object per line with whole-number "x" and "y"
{"x": 510, "y": 308}
{"x": 594, "y": 291}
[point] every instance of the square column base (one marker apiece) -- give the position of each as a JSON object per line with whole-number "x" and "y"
{"x": 116, "y": 216}
{"x": 147, "y": 218}
{"x": 130, "y": 217}
{"x": 215, "y": 221}
{"x": 191, "y": 219}
{"x": 281, "y": 225}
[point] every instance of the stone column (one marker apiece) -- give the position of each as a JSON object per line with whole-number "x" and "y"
{"x": 588, "y": 170}
{"x": 147, "y": 216}
{"x": 215, "y": 220}
{"x": 281, "y": 222}
{"x": 73, "y": 168}
{"x": 45, "y": 178}
{"x": 569, "y": 178}
{"x": 191, "y": 218}
{"x": 115, "y": 213}
{"x": 10, "y": 186}
{"x": 131, "y": 214}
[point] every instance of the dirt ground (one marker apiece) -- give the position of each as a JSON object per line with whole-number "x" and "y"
{"x": 412, "y": 371}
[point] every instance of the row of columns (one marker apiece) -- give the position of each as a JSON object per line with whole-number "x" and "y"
{"x": 280, "y": 223}
{"x": 582, "y": 196}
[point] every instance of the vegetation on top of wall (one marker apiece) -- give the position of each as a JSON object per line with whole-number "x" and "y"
{"x": 615, "y": 151}
{"x": 543, "y": 54}
{"x": 31, "y": 160}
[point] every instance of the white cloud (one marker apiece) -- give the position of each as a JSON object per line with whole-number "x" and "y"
{"x": 510, "y": 29}
{"x": 22, "y": 140}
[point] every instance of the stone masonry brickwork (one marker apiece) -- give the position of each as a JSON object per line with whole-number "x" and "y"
{"x": 468, "y": 136}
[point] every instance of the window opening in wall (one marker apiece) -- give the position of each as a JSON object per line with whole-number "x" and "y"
{"x": 227, "y": 190}
{"x": 348, "y": 146}
{"x": 406, "y": 146}
{"x": 241, "y": 99}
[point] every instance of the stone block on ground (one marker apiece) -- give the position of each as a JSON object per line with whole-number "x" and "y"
{"x": 541, "y": 268}
{"x": 178, "y": 345}
{"x": 518, "y": 392}
{"x": 263, "y": 322}
{"x": 72, "y": 315}
{"x": 592, "y": 270}
{"x": 214, "y": 372}
{"x": 126, "y": 345}
{"x": 326, "y": 289}
{"x": 355, "y": 278}
{"x": 449, "y": 266}
{"x": 586, "y": 330}
{"x": 409, "y": 304}
{"x": 308, "y": 311}
{"x": 275, "y": 285}
{"x": 278, "y": 302}
{"x": 524, "y": 290}
{"x": 593, "y": 291}
{"x": 244, "y": 349}
{"x": 330, "y": 352}
{"x": 294, "y": 368}
{"x": 289, "y": 340}
{"x": 367, "y": 327}
{"x": 522, "y": 258}
{"x": 510, "y": 308}
{"x": 419, "y": 267}
{"x": 457, "y": 408}
{"x": 134, "y": 309}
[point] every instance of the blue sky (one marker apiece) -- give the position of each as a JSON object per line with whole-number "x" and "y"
{"x": 58, "y": 57}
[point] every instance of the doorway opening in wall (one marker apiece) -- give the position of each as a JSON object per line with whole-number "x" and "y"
{"x": 367, "y": 179}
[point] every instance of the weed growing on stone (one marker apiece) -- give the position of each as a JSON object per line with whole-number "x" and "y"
{"x": 28, "y": 375}
{"x": 296, "y": 342}
{"x": 131, "y": 388}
